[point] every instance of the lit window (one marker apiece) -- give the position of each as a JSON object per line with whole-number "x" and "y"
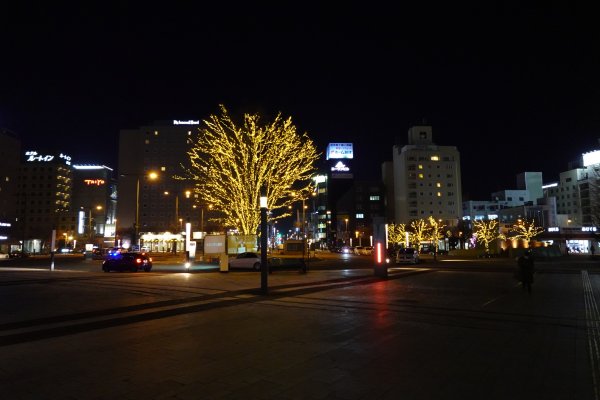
{"x": 435, "y": 158}
{"x": 420, "y": 176}
{"x": 147, "y": 141}
{"x": 438, "y": 184}
{"x": 163, "y": 168}
{"x": 155, "y": 133}
{"x": 439, "y": 194}
{"x": 374, "y": 198}
{"x": 360, "y": 216}
{"x": 420, "y": 166}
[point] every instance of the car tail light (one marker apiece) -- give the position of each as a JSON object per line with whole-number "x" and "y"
{"x": 149, "y": 259}
{"x": 138, "y": 260}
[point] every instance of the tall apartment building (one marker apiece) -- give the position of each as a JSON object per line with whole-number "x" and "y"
{"x": 427, "y": 179}
{"x": 164, "y": 204}
{"x": 43, "y": 199}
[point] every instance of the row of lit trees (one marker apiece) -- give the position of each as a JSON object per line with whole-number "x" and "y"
{"x": 487, "y": 231}
{"x": 432, "y": 230}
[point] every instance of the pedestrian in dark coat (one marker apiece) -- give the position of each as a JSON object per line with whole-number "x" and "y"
{"x": 526, "y": 270}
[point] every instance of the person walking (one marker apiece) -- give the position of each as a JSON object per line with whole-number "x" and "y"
{"x": 526, "y": 270}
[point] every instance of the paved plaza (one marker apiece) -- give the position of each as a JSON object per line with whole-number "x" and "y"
{"x": 422, "y": 333}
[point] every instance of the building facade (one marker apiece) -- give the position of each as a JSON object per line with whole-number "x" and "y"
{"x": 44, "y": 188}
{"x": 10, "y": 150}
{"x": 427, "y": 179}
{"x": 94, "y": 201}
{"x": 165, "y": 203}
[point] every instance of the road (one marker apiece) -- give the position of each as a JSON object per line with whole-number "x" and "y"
{"x": 446, "y": 329}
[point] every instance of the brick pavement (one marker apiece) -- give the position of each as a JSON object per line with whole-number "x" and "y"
{"x": 323, "y": 335}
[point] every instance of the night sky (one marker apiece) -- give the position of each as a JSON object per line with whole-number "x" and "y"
{"x": 515, "y": 89}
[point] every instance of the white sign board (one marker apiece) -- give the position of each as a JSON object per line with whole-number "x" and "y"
{"x": 214, "y": 244}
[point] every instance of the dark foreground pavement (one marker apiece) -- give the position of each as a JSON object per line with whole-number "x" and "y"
{"x": 420, "y": 334}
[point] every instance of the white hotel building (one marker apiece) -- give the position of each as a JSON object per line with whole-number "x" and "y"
{"x": 427, "y": 179}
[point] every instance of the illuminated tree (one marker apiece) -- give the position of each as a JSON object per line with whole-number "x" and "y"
{"x": 486, "y": 231}
{"x": 396, "y": 234}
{"x": 435, "y": 233}
{"x": 419, "y": 229}
{"x": 526, "y": 230}
{"x": 230, "y": 163}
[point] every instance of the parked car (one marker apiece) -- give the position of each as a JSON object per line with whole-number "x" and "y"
{"x": 17, "y": 254}
{"x": 407, "y": 255}
{"x": 246, "y": 260}
{"x": 133, "y": 262}
{"x": 358, "y": 250}
{"x": 367, "y": 251}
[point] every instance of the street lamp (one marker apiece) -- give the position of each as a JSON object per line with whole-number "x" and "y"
{"x": 187, "y": 196}
{"x": 346, "y": 235}
{"x": 91, "y": 235}
{"x": 151, "y": 176}
{"x": 264, "y": 268}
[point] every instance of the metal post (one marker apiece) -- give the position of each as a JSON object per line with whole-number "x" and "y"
{"x": 264, "y": 267}
{"x": 177, "y": 222}
{"x": 137, "y": 210}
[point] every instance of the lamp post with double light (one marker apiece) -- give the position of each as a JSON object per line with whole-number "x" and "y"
{"x": 136, "y": 222}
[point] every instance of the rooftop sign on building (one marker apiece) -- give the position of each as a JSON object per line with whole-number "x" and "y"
{"x": 188, "y": 122}
{"x": 339, "y": 150}
{"x": 34, "y": 156}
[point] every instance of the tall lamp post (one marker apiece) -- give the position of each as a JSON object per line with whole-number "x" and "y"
{"x": 136, "y": 223}
{"x": 346, "y": 235}
{"x": 264, "y": 268}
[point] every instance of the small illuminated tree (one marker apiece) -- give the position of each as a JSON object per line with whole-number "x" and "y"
{"x": 396, "y": 234}
{"x": 419, "y": 229}
{"x": 526, "y": 230}
{"x": 435, "y": 233}
{"x": 230, "y": 164}
{"x": 486, "y": 231}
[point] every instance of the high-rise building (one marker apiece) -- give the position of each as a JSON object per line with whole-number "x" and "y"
{"x": 94, "y": 200}
{"x": 161, "y": 204}
{"x": 10, "y": 150}
{"x": 427, "y": 179}
{"x": 44, "y": 199}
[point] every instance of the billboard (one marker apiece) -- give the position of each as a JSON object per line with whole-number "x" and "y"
{"x": 339, "y": 150}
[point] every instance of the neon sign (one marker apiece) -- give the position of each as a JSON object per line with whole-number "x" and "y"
{"x": 33, "y": 156}
{"x": 97, "y": 182}
{"x": 188, "y": 122}
{"x": 340, "y": 167}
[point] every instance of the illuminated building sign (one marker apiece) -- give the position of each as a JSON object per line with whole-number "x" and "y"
{"x": 94, "y": 182}
{"x": 188, "y": 122}
{"x": 588, "y": 229}
{"x": 34, "y": 156}
{"x": 340, "y": 167}
{"x": 339, "y": 150}
{"x": 320, "y": 178}
{"x": 5, "y": 224}
{"x": 553, "y": 229}
{"x": 591, "y": 158}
